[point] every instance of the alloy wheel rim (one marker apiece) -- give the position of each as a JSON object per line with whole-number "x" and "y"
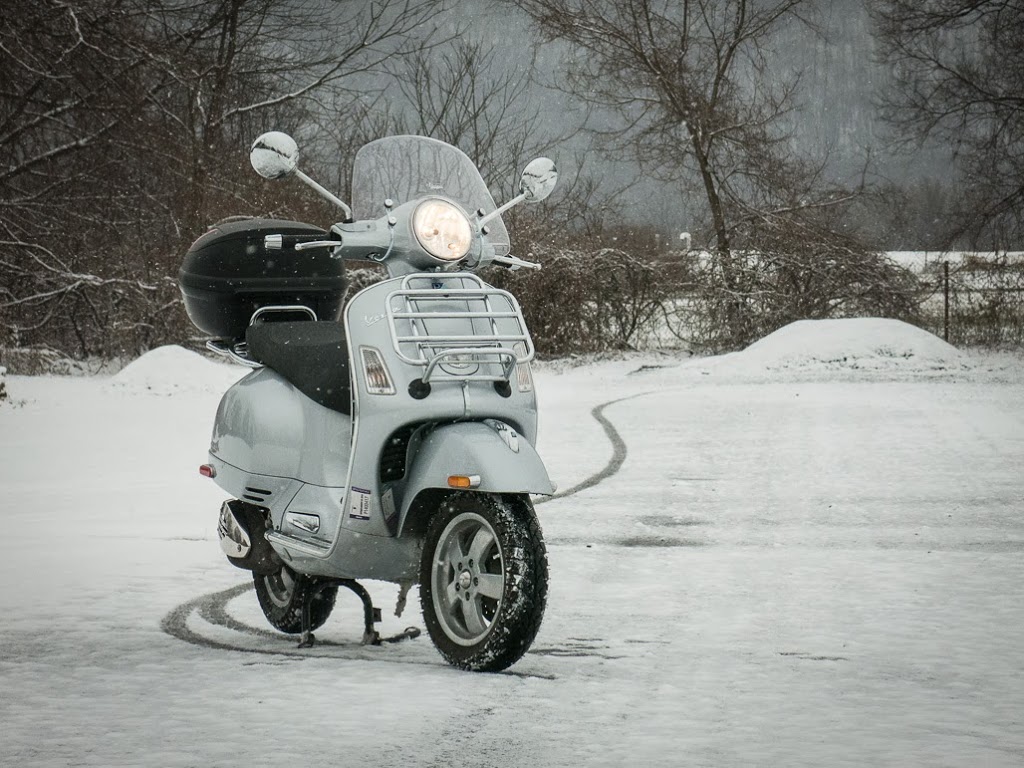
{"x": 468, "y": 579}
{"x": 281, "y": 587}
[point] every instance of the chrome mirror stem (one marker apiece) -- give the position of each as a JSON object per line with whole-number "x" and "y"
{"x": 325, "y": 193}
{"x": 496, "y": 213}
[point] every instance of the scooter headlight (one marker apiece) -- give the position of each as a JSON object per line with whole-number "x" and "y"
{"x": 442, "y": 229}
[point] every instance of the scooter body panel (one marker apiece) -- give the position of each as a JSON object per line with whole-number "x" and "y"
{"x": 273, "y": 492}
{"x": 377, "y": 500}
{"x": 266, "y": 426}
{"x": 274, "y": 447}
{"x": 360, "y": 476}
{"x": 492, "y": 452}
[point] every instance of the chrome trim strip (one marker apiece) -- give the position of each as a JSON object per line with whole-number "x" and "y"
{"x": 305, "y": 547}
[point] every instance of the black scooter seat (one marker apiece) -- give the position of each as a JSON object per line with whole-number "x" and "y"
{"x": 313, "y": 356}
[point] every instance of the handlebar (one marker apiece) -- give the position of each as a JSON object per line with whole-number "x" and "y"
{"x": 375, "y": 240}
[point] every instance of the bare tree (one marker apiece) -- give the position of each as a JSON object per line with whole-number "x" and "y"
{"x": 699, "y": 101}
{"x": 462, "y": 94}
{"x": 684, "y": 80}
{"x": 958, "y": 71}
{"x": 126, "y": 122}
{"x": 265, "y": 59}
{"x": 68, "y": 68}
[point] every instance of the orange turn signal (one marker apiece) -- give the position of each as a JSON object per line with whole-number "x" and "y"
{"x": 463, "y": 481}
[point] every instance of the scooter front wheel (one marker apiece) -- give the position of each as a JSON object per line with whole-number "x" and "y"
{"x": 282, "y": 593}
{"x": 483, "y": 579}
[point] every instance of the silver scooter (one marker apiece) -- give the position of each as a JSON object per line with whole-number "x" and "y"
{"x": 396, "y": 443}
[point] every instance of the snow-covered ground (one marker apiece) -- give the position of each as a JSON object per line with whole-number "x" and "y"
{"x": 798, "y": 558}
{"x": 921, "y": 260}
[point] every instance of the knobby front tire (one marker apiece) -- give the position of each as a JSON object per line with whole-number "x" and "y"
{"x": 483, "y": 579}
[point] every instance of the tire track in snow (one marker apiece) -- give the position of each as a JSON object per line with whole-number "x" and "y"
{"x": 618, "y": 452}
{"x": 175, "y": 623}
{"x": 212, "y": 607}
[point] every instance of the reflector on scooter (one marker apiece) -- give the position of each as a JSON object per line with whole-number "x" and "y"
{"x": 464, "y": 481}
{"x": 207, "y": 470}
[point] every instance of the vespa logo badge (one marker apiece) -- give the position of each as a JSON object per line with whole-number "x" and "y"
{"x": 373, "y": 319}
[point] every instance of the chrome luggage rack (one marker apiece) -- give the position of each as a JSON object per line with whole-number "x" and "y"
{"x": 468, "y": 333}
{"x": 235, "y": 351}
{"x": 238, "y": 351}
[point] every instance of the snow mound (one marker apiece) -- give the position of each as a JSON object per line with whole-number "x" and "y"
{"x": 868, "y": 345}
{"x": 171, "y": 369}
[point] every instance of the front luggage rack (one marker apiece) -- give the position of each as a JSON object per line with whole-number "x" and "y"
{"x": 470, "y": 332}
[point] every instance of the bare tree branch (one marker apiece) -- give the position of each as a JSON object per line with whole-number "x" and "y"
{"x": 959, "y": 80}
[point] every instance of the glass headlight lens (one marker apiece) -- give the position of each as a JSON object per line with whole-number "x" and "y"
{"x": 442, "y": 229}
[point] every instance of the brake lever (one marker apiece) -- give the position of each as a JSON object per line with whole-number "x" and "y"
{"x": 278, "y": 243}
{"x": 317, "y": 244}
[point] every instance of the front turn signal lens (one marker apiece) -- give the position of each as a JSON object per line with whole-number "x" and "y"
{"x": 375, "y": 372}
{"x": 463, "y": 481}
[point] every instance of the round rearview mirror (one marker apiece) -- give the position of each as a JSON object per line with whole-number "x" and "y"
{"x": 274, "y": 155}
{"x": 538, "y": 179}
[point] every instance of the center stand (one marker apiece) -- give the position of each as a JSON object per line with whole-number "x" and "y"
{"x": 371, "y": 614}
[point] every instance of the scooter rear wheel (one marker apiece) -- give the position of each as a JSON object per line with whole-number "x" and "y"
{"x": 483, "y": 579}
{"x": 281, "y": 595}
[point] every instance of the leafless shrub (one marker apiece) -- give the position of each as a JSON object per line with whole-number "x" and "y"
{"x": 42, "y": 361}
{"x": 791, "y": 270}
{"x": 587, "y": 301}
{"x": 363, "y": 276}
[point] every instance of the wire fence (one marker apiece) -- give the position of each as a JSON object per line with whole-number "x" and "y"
{"x": 975, "y": 301}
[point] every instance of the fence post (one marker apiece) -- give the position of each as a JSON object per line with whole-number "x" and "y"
{"x": 945, "y": 294}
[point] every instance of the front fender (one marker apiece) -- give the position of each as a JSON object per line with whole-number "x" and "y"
{"x": 504, "y": 464}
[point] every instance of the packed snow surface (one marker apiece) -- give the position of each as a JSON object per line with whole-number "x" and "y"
{"x": 754, "y": 571}
{"x": 850, "y": 345}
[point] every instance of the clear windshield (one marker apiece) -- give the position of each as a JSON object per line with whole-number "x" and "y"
{"x": 405, "y": 168}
